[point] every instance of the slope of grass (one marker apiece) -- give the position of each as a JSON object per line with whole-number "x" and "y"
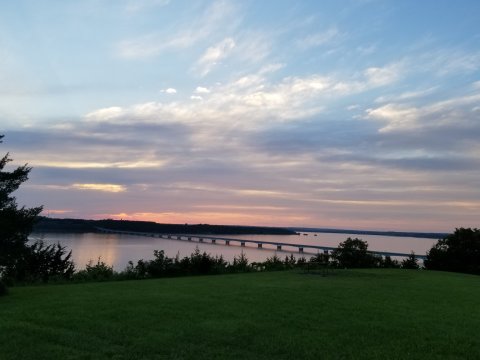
{"x": 357, "y": 314}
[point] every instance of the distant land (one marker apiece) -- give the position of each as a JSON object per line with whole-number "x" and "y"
{"x": 46, "y": 224}
{"x": 428, "y": 235}
{"x": 84, "y": 226}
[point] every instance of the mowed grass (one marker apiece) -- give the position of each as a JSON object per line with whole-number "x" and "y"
{"x": 352, "y": 314}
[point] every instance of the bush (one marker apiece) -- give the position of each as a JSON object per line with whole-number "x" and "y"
{"x": 411, "y": 262}
{"x": 41, "y": 263}
{"x": 97, "y": 272}
{"x": 240, "y": 263}
{"x": 388, "y": 263}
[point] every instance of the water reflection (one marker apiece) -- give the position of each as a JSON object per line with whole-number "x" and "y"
{"x": 118, "y": 249}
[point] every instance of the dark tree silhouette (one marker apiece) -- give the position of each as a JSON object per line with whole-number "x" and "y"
{"x": 457, "y": 252}
{"x": 20, "y": 261}
{"x": 353, "y": 253}
{"x": 16, "y": 222}
{"x": 411, "y": 262}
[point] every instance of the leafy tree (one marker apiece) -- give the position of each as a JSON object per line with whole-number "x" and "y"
{"x": 457, "y": 252}
{"x": 353, "y": 253}
{"x": 15, "y": 223}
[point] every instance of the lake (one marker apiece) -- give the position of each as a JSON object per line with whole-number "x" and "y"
{"x": 118, "y": 249}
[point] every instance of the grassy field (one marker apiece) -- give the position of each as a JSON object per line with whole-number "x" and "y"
{"x": 357, "y": 314}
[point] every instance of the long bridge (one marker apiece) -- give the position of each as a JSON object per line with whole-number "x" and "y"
{"x": 273, "y": 245}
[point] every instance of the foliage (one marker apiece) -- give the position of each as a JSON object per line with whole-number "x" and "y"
{"x": 388, "y": 263}
{"x": 411, "y": 262}
{"x": 40, "y": 262}
{"x": 273, "y": 263}
{"x": 353, "y": 253}
{"x": 240, "y": 263}
{"x": 457, "y": 252}
{"x": 15, "y": 223}
{"x": 99, "y": 271}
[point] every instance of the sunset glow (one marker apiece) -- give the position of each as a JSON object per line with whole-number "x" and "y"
{"x": 348, "y": 114}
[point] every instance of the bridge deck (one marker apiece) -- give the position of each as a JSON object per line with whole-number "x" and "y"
{"x": 259, "y": 243}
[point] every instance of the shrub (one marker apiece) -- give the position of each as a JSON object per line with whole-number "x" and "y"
{"x": 388, "y": 263}
{"x": 97, "y": 272}
{"x": 411, "y": 262}
{"x": 41, "y": 262}
{"x": 274, "y": 263}
{"x": 240, "y": 263}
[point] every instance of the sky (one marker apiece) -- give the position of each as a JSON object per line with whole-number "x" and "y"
{"x": 359, "y": 114}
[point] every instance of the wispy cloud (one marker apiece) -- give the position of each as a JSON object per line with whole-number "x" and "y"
{"x": 134, "y": 6}
{"x": 214, "y": 54}
{"x": 115, "y": 188}
{"x": 221, "y": 14}
{"x": 319, "y": 38}
{"x": 398, "y": 117}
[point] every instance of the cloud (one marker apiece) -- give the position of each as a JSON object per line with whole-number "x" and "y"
{"x": 219, "y": 15}
{"x": 169, "y": 91}
{"x": 409, "y": 95}
{"x": 202, "y": 90}
{"x": 115, "y": 188}
{"x": 318, "y": 39}
{"x": 253, "y": 101}
{"x": 379, "y": 76}
{"x": 104, "y": 114}
{"x": 399, "y": 117}
{"x": 214, "y": 54}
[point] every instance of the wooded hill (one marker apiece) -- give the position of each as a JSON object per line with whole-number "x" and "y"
{"x": 83, "y": 226}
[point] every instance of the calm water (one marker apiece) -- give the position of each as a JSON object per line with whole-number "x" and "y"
{"x": 117, "y": 250}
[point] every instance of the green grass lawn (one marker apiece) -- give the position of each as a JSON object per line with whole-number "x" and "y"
{"x": 356, "y": 314}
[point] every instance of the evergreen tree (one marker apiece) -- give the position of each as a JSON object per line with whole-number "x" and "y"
{"x": 16, "y": 222}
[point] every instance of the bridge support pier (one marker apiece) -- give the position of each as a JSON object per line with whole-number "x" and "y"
{"x": 227, "y": 242}
{"x": 242, "y": 243}
{"x": 259, "y": 246}
{"x": 300, "y": 249}
{"x": 213, "y": 241}
{"x": 279, "y": 247}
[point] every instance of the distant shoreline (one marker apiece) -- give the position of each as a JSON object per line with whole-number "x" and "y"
{"x": 84, "y": 226}
{"x": 46, "y": 224}
{"x": 426, "y": 235}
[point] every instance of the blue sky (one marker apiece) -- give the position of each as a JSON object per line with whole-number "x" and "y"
{"x": 356, "y": 114}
